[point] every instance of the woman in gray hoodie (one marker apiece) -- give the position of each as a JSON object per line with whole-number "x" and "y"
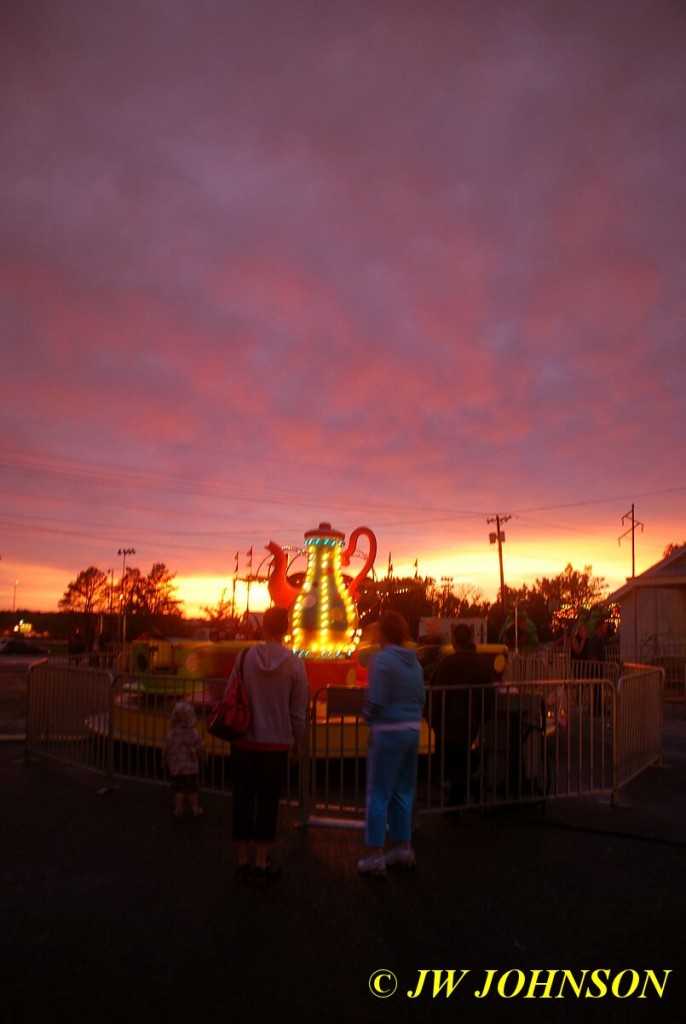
{"x": 278, "y": 692}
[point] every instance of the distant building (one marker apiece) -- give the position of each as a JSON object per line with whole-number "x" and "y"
{"x": 653, "y": 618}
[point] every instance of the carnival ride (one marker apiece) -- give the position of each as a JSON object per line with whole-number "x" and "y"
{"x": 322, "y": 612}
{"x": 324, "y": 631}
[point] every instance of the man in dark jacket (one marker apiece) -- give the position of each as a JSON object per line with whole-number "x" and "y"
{"x": 457, "y": 714}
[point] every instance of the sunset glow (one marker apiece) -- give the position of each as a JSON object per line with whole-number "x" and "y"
{"x": 394, "y": 264}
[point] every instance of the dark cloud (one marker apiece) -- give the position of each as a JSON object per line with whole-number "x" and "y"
{"x": 423, "y": 261}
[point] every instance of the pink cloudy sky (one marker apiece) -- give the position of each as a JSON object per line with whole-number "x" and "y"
{"x": 385, "y": 263}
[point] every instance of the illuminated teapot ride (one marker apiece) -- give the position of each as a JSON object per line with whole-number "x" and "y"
{"x": 322, "y": 613}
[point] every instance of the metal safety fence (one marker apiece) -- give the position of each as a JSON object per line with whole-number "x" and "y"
{"x": 660, "y": 650}
{"x": 483, "y": 747}
{"x": 115, "y": 725}
{"x": 667, "y": 651}
{"x": 480, "y": 747}
{"x": 63, "y": 705}
{"x": 529, "y": 667}
{"x": 638, "y": 720}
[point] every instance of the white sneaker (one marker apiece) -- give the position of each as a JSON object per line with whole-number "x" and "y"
{"x": 373, "y": 865}
{"x": 400, "y": 857}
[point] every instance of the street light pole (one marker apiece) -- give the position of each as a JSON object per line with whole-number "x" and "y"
{"x": 124, "y": 552}
{"x": 447, "y": 583}
{"x": 14, "y": 595}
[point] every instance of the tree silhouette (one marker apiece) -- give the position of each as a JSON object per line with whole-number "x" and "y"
{"x": 148, "y": 596}
{"x": 88, "y": 593}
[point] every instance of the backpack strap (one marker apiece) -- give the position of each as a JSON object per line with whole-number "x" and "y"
{"x": 239, "y": 662}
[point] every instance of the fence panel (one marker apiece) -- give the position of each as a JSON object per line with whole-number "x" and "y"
{"x": 535, "y": 665}
{"x": 481, "y": 747}
{"x": 115, "y": 725}
{"x": 337, "y": 748}
{"x": 529, "y": 742}
{"x": 639, "y": 719}
{"x": 141, "y": 717}
{"x": 542, "y": 665}
{"x": 66, "y": 709}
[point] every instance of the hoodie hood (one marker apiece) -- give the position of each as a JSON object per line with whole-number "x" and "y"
{"x": 183, "y": 714}
{"x": 405, "y": 655}
{"x": 269, "y": 657}
{"x": 396, "y": 687}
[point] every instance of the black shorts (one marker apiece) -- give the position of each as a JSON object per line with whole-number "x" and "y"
{"x": 184, "y": 783}
{"x": 258, "y": 778}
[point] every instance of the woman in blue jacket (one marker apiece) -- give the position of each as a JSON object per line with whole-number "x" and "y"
{"x": 393, "y": 709}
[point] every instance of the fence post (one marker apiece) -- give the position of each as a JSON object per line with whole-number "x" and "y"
{"x": 636, "y": 722}
{"x": 304, "y": 770}
{"x": 28, "y": 738}
{"x": 615, "y": 757}
{"x": 109, "y": 747}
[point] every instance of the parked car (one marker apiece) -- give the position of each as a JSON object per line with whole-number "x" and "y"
{"x": 16, "y": 646}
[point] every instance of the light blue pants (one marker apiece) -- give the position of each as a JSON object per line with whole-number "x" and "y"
{"x": 391, "y": 774}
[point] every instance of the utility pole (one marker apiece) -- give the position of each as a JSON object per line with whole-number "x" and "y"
{"x": 631, "y": 518}
{"x": 499, "y": 538}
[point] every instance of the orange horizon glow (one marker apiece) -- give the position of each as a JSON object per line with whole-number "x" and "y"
{"x": 40, "y": 588}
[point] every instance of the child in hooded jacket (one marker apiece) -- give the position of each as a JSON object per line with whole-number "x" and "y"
{"x": 182, "y": 755}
